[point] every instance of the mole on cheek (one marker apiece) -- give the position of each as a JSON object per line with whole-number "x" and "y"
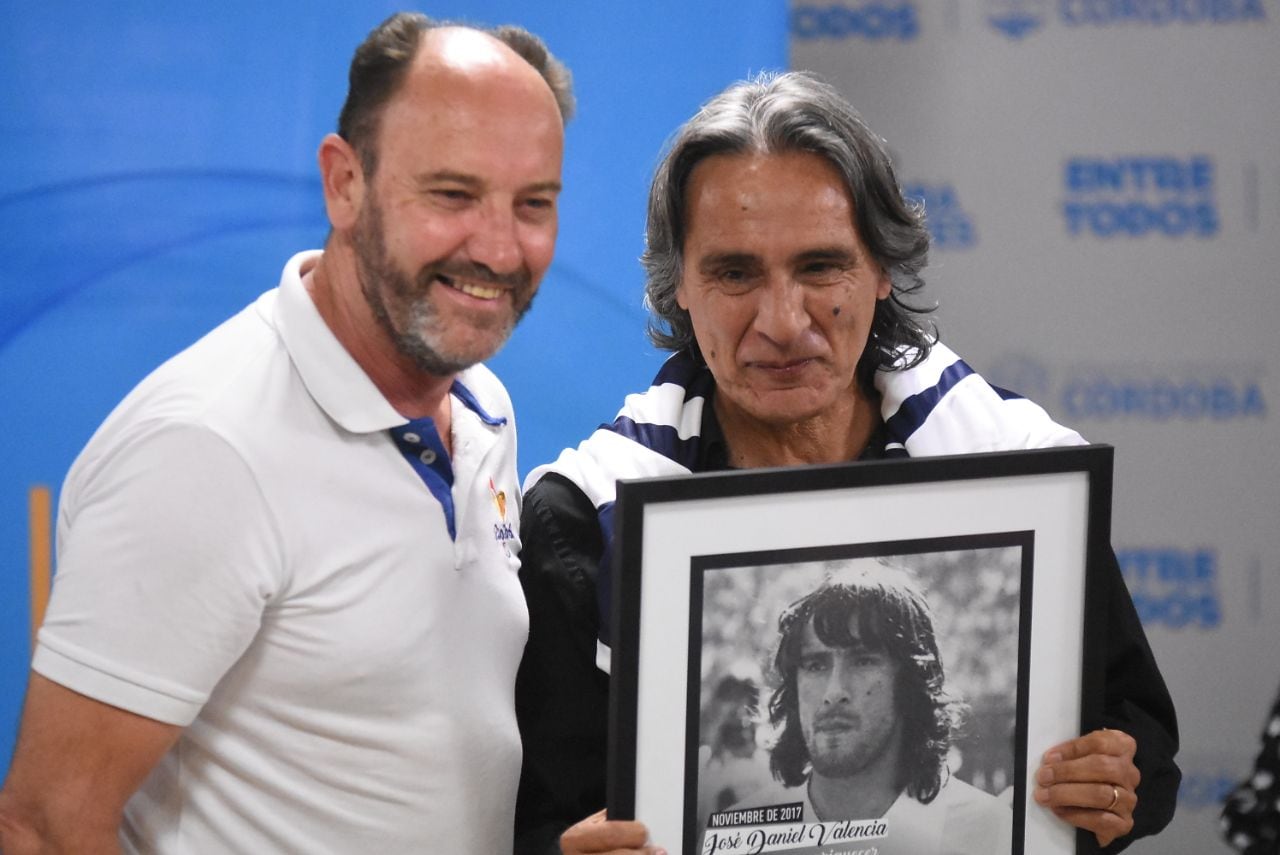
{"x": 835, "y": 312}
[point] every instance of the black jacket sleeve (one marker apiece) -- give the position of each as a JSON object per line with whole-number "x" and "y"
{"x": 562, "y": 698}
{"x": 1138, "y": 703}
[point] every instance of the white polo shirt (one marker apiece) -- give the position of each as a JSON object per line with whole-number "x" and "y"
{"x": 243, "y": 550}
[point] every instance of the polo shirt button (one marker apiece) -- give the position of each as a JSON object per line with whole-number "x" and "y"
{"x": 412, "y": 438}
{"x": 428, "y": 456}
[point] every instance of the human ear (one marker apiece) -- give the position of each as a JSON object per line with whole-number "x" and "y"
{"x": 342, "y": 178}
{"x": 884, "y": 287}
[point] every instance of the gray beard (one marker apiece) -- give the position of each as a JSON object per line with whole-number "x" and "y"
{"x": 373, "y": 268}
{"x": 408, "y": 343}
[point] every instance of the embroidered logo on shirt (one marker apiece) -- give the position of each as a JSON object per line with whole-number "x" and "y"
{"x": 502, "y": 531}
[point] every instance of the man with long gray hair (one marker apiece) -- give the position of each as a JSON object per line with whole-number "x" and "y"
{"x": 783, "y": 272}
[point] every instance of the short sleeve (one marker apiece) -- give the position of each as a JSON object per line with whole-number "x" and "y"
{"x": 167, "y": 558}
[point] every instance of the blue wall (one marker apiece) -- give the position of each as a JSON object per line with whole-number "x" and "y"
{"x": 160, "y": 169}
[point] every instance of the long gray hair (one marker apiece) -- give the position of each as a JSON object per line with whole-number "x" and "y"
{"x": 793, "y": 112}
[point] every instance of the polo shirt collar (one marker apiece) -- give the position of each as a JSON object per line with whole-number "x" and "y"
{"x": 332, "y": 377}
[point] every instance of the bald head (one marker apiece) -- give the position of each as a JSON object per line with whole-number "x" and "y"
{"x": 460, "y": 64}
{"x": 466, "y": 50}
{"x": 411, "y": 41}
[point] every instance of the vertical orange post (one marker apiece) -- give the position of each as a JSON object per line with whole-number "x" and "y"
{"x": 40, "y": 516}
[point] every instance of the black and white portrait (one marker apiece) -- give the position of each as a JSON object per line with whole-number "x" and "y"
{"x": 865, "y": 686}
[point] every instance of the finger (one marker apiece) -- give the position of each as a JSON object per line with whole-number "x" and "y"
{"x": 1097, "y": 797}
{"x": 597, "y": 834}
{"x": 605, "y": 835}
{"x": 1104, "y": 809}
{"x": 1105, "y": 741}
{"x": 1094, "y": 768}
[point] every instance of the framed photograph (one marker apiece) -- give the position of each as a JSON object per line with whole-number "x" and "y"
{"x": 853, "y": 659}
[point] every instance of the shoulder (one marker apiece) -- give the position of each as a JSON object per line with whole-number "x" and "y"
{"x": 210, "y": 396}
{"x": 214, "y": 371}
{"x": 942, "y": 406}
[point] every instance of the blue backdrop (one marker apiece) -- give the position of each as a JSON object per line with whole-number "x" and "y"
{"x": 161, "y": 169}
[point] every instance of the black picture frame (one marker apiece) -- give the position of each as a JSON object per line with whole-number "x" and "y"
{"x": 1042, "y": 515}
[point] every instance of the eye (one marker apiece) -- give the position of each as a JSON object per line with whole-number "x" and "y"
{"x": 537, "y": 208}
{"x": 821, "y": 270}
{"x": 869, "y": 660}
{"x": 452, "y": 196}
{"x": 825, "y": 267}
{"x": 735, "y": 280}
{"x": 813, "y": 664}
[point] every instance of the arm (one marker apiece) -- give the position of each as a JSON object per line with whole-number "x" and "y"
{"x": 1136, "y": 752}
{"x": 169, "y": 532}
{"x": 562, "y": 698}
{"x": 76, "y": 763}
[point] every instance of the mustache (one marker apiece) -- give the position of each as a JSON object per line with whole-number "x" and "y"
{"x": 518, "y": 280}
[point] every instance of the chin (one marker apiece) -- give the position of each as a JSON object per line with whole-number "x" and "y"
{"x": 469, "y": 344}
{"x": 782, "y": 413}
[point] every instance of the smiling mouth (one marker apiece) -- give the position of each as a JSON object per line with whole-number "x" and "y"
{"x": 470, "y": 288}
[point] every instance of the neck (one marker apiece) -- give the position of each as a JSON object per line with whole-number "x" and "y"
{"x": 334, "y": 286}
{"x": 866, "y": 795}
{"x": 835, "y": 435}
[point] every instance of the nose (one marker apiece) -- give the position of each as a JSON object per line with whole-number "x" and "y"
{"x": 839, "y": 690}
{"x": 495, "y": 240}
{"x": 781, "y": 315}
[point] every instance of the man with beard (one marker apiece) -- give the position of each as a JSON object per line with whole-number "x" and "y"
{"x": 286, "y": 616}
{"x": 866, "y": 722}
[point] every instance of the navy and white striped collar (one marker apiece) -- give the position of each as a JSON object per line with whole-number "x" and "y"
{"x": 938, "y": 406}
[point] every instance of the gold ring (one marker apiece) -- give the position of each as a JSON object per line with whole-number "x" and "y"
{"x": 1115, "y": 798}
